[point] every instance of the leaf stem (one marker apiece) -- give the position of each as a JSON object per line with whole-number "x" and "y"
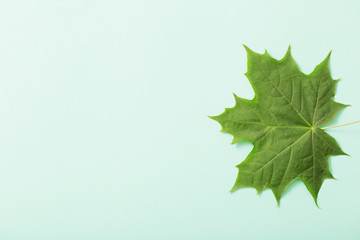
{"x": 341, "y": 125}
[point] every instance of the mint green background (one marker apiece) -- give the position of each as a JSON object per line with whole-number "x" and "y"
{"x": 104, "y": 131}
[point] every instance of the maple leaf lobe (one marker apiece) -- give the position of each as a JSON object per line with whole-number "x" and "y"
{"x": 283, "y": 122}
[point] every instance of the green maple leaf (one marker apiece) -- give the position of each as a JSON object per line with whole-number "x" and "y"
{"x": 284, "y": 122}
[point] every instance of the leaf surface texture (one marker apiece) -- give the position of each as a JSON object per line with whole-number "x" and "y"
{"x": 284, "y": 122}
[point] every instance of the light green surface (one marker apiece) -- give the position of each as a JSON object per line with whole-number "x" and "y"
{"x": 104, "y": 127}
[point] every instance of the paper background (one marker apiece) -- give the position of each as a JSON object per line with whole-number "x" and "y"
{"x": 104, "y": 131}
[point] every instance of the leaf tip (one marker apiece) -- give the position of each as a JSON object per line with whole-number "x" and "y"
{"x": 288, "y": 51}
{"x": 345, "y": 154}
{"x": 315, "y": 197}
{"x": 327, "y": 58}
{"x": 246, "y": 47}
{"x": 288, "y": 55}
{"x": 248, "y": 50}
{"x": 266, "y": 53}
{"x": 277, "y": 197}
{"x": 316, "y": 203}
{"x": 234, "y": 188}
{"x": 323, "y": 67}
{"x": 235, "y": 140}
{"x": 329, "y": 54}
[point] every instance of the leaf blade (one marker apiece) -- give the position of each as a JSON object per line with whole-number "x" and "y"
{"x": 282, "y": 122}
